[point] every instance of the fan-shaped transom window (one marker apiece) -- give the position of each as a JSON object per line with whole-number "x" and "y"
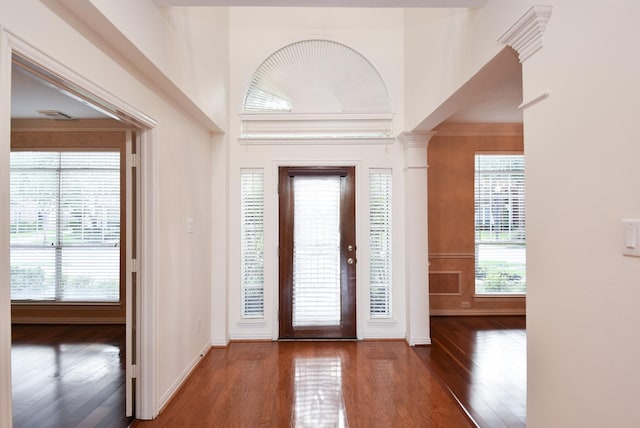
{"x": 316, "y": 76}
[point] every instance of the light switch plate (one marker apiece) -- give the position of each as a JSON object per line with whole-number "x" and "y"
{"x": 631, "y": 238}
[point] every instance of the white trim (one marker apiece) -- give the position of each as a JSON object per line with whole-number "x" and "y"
{"x": 149, "y": 257}
{"x": 129, "y": 269}
{"x": 220, "y": 343}
{"x": 287, "y": 128}
{"x": 322, "y": 141}
{"x": 526, "y": 36}
{"x": 417, "y": 341}
{"x": 247, "y": 322}
{"x": 6, "y": 418}
{"x": 416, "y": 139}
{"x": 251, "y": 336}
{"x": 175, "y": 386}
{"x": 543, "y": 96}
{"x": 77, "y": 86}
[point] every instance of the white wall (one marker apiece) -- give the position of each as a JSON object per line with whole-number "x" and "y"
{"x": 256, "y": 34}
{"x": 582, "y": 150}
{"x": 188, "y": 45}
{"x": 444, "y": 48}
{"x": 183, "y": 150}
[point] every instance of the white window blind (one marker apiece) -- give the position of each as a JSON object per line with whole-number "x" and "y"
{"x": 500, "y": 224}
{"x": 380, "y": 185}
{"x": 65, "y": 226}
{"x": 252, "y": 246}
{"x": 316, "y": 251}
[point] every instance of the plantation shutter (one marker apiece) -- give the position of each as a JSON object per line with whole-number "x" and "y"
{"x": 500, "y": 224}
{"x": 316, "y": 251}
{"x": 380, "y": 254}
{"x": 65, "y": 226}
{"x": 252, "y": 245}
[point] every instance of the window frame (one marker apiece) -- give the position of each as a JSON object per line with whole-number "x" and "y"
{"x": 70, "y": 140}
{"x": 243, "y": 285}
{"x": 498, "y": 295}
{"x": 388, "y": 313}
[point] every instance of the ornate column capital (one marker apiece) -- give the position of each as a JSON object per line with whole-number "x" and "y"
{"x": 415, "y": 148}
{"x": 416, "y": 139}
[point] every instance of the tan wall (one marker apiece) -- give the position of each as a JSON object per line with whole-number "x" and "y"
{"x": 60, "y": 135}
{"x": 451, "y": 215}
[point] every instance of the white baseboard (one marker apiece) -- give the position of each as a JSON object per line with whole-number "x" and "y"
{"x": 164, "y": 400}
{"x": 416, "y": 341}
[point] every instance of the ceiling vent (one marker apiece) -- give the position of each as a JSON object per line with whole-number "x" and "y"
{"x": 56, "y": 115}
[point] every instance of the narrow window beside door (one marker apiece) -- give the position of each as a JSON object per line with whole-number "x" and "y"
{"x": 252, "y": 243}
{"x": 380, "y": 243}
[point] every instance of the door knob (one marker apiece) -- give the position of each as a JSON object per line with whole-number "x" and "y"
{"x": 350, "y": 261}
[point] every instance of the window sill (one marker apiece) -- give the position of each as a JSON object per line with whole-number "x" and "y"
{"x": 382, "y": 322}
{"x": 252, "y": 322}
{"x": 65, "y": 305}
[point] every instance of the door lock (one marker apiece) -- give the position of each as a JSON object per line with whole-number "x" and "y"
{"x": 350, "y": 261}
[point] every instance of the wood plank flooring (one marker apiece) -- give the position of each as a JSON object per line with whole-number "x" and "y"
{"x": 311, "y": 384}
{"x": 68, "y": 376}
{"x": 483, "y": 362}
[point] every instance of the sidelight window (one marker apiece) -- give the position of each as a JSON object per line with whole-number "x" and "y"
{"x": 252, "y": 246}
{"x": 380, "y": 243}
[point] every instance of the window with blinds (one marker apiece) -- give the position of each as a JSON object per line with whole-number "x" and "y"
{"x": 252, "y": 243}
{"x": 316, "y": 251}
{"x": 380, "y": 243}
{"x": 65, "y": 226}
{"x": 500, "y": 224}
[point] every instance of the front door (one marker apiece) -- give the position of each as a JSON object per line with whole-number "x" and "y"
{"x": 317, "y": 253}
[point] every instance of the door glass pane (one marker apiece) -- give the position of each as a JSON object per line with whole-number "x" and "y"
{"x": 316, "y": 251}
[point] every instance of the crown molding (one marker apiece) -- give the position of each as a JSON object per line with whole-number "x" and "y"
{"x": 526, "y": 36}
{"x": 316, "y": 129}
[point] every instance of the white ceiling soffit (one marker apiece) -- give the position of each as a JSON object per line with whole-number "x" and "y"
{"x": 326, "y": 3}
{"x": 491, "y": 96}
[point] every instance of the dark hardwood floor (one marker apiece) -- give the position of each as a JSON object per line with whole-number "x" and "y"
{"x": 483, "y": 363}
{"x": 474, "y": 373}
{"x": 311, "y": 384}
{"x": 68, "y": 376}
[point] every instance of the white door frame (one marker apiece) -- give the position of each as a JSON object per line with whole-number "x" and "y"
{"x": 148, "y": 216}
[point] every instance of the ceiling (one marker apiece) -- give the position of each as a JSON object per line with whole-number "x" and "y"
{"x": 492, "y": 101}
{"x": 325, "y": 3}
{"x": 30, "y": 94}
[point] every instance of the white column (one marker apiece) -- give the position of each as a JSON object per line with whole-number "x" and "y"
{"x": 416, "y": 232}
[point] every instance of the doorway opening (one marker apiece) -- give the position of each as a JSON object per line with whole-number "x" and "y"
{"x": 317, "y": 253}
{"x": 88, "y": 316}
